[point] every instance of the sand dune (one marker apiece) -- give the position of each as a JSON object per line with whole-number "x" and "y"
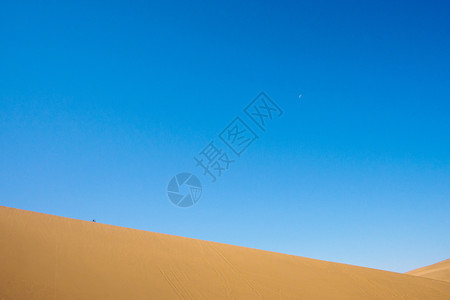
{"x": 439, "y": 271}
{"x": 49, "y": 257}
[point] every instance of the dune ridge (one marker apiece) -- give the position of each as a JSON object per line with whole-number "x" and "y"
{"x": 438, "y": 271}
{"x": 49, "y": 257}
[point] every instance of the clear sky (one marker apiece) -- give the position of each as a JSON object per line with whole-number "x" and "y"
{"x": 102, "y": 102}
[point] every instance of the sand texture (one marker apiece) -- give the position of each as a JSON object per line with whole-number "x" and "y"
{"x": 439, "y": 271}
{"x": 50, "y": 257}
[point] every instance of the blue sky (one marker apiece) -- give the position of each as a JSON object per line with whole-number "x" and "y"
{"x": 101, "y": 103}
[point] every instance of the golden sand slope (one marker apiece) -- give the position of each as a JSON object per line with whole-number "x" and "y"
{"x": 49, "y": 257}
{"x": 439, "y": 271}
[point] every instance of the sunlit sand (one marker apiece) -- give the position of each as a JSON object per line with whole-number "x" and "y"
{"x": 49, "y": 257}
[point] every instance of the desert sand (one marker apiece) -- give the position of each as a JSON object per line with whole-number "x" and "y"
{"x": 439, "y": 271}
{"x": 49, "y": 257}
